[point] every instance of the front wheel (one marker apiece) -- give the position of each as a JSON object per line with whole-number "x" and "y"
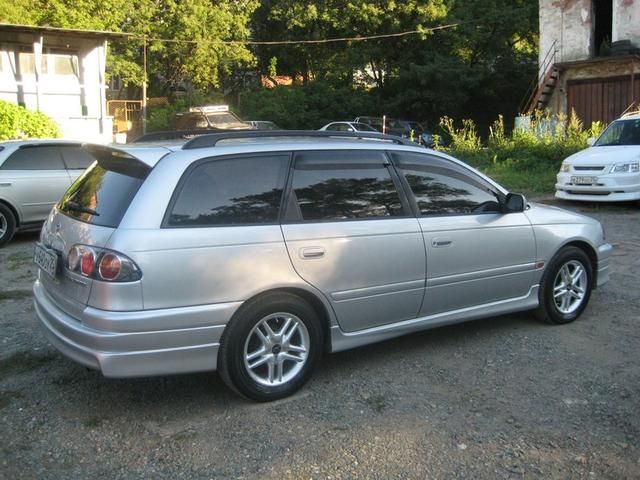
{"x": 271, "y": 346}
{"x": 566, "y": 286}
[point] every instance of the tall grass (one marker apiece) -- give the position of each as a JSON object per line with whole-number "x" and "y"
{"x": 527, "y": 159}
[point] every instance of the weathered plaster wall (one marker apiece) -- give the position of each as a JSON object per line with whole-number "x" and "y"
{"x": 626, "y": 21}
{"x": 569, "y": 23}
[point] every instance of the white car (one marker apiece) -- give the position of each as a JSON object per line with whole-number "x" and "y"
{"x": 609, "y": 170}
{"x": 348, "y": 127}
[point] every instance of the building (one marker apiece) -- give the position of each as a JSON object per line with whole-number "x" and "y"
{"x": 589, "y": 58}
{"x": 59, "y": 72}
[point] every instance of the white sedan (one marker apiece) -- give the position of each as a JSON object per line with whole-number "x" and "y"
{"x": 609, "y": 170}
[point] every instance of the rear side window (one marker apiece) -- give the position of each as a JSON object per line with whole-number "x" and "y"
{"x": 342, "y": 185}
{"x": 102, "y": 195}
{"x": 232, "y": 191}
{"x": 76, "y": 158}
{"x": 34, "y": 158}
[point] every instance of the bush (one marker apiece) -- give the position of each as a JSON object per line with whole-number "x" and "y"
{"x": 527, "y": 159}
{"x": 17, "y": 122}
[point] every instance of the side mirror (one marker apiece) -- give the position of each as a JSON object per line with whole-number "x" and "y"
{"x": 514, "y": 202}
{"x": 591, "y": 141}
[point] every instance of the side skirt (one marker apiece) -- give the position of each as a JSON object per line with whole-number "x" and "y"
{"x": 345, "y": 340}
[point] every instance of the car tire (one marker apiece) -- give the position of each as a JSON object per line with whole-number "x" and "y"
{"x": 566, "y": 287}
{"x": 271, "y": 347}
{"x": 7, "y": 225}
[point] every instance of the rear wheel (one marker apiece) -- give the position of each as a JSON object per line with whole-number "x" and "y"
{"x": 566, "y": 286}
{"x": 7, "y": 225}
{"x": 270, "y": 347}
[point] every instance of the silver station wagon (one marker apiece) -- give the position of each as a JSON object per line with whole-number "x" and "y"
{"x": 252, "y": 253}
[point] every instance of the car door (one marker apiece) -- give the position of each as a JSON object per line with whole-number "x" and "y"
{"x": 475, "y": 253}
{"x": 350, "y": 233}
{"x": 38, "y": 179}
{"x": 76, "y": 159}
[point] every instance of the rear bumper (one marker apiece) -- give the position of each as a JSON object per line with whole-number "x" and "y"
{"x": 133, "y": 345}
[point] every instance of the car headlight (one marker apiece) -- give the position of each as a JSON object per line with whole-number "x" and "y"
{"x": 626, "y": 168}
{"x": 564, "y": 168}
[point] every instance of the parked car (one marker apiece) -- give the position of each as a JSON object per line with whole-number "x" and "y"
{"x": 208, "y": 117}
{"x": 254, "y": 252}
{"x": 401, "y": 128}
{"x": 34, "y": 174}
{"x": 348, "y": 127}
{"x": 263, "y": 125}
{"x": 609, "y": 170}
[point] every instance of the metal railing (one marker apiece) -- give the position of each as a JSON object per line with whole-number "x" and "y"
{"x": 549, "y": 60}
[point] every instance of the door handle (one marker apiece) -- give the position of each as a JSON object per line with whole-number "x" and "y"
{"x": 312, "y": 252}
{"x": 440, "y": 242}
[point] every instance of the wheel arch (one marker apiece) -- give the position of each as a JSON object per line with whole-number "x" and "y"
{"x": 13, "y": 210}
{"x": 312, "y": 299}
{"x": 588, "y": 249}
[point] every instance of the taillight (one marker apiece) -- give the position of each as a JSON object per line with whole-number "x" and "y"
{"x": 110, "y": 266}
{"x": 87, "y": 262}
{"x": 102, "y": 264}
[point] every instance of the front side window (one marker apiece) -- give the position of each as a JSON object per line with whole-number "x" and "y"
{"x": 232, "y": 191}
{"x": 443, "y": 188}
{"x": 34, "y": 158}
{"x": 330, "y": 186}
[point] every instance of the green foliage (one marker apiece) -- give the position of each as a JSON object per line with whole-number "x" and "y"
{"x": 305, "y": 106}
{"x": 202, "y": 35}
{"x": 529, "y": 158}
{"x": 17, "y": 122}
{"x": 159, "y": 117}
{"x": 465, "y": 138}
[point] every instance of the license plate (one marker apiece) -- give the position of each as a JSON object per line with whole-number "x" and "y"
{"x": 584, "y": 180}
{"x": 46, "y": 259}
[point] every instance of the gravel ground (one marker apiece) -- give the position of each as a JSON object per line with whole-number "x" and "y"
{"x": 501, "y": 398}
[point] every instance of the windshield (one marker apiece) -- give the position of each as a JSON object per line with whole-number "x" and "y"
{"x": 221, "y": 120}
{"x": 620, "y": 132}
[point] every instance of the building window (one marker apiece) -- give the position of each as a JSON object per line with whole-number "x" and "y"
{"x": 60, "y": 64}
{"x": 603, "y": 26}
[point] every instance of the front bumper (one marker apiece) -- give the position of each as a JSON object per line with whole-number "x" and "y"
{"x": 608, "y": 188}
{"x": 133, "y": 345}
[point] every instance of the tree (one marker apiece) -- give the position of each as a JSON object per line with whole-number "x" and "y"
{"x": 190, "y": 39}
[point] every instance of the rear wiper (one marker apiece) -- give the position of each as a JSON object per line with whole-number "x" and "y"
{"x": 76, "y": 207}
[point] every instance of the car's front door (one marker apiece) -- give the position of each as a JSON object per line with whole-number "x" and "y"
{"x": 350, "y": 233}
{"x": 476, "y": 255}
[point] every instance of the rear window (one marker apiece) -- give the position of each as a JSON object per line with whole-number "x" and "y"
{"x": 103, "y": 193}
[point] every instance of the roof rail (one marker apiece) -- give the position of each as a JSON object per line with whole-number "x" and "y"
{"x": 210, "y": 140}
{"x": 175, "y": 134}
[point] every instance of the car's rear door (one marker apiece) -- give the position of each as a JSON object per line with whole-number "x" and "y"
{"x": 38, "y": 179}
{"x": 476, "y": 254}
{"x": 350, "y": 233}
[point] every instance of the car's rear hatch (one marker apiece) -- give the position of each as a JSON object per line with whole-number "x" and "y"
{"x": 88, "y": 214}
